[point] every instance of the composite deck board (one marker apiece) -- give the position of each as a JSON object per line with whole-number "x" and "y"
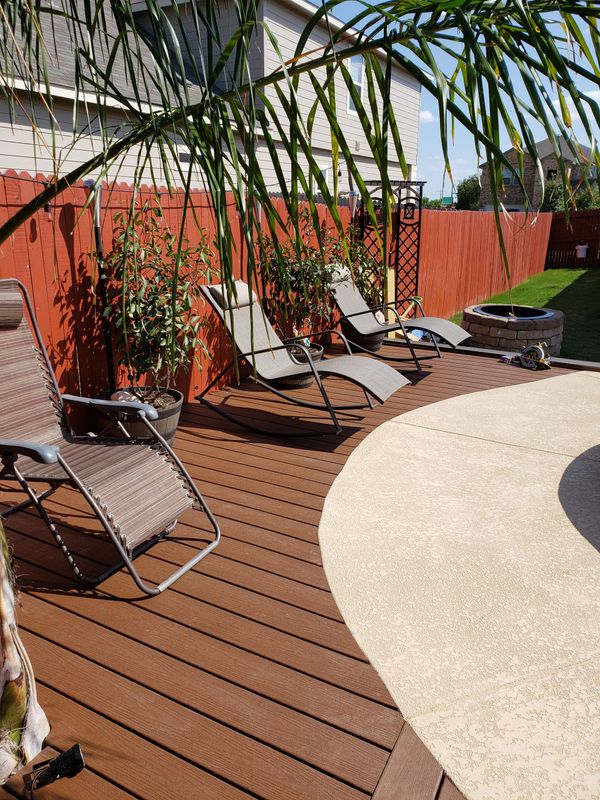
{"x": 262, "y": 676}
{"x": 284, "y": 648}
{"x": 296, "y": 734}
{"x": 242, "y": 679}
{"x": 412, "y": 767}
{"x": 448, "y": 791}
{"x": 88, "y": 784}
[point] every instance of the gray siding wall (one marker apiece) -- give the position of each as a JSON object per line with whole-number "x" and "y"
{"x": 366, "y": 165}
{"x": 227, "y": 25}
{"x": 23, "y": 151}
{"x": 285, "y": 22}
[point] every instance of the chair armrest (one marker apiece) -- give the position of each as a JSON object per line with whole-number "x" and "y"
{"x": 265, "y": 350}
{"x": 414, "y": 299}
{"x": 114, "y": 407}
{"x": 287, "y": 346}
{"x": 370, "y": 310}
{"x": 43, "y": 453}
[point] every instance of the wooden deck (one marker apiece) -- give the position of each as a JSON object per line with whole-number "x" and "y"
{"x": 242, "y": 680}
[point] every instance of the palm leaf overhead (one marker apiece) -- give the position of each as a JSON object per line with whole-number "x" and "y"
{"x": 499, "y": 69}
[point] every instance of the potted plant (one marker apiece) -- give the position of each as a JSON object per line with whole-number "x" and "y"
{"x": 367, "y": 274}
{"x": 153, "y": 299}
{"x": 296, "y": 297}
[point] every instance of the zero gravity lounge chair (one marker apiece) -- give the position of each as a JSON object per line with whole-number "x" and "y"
{"x": 273, "y": 361}
{"x": 362, "y": 320}
{"x": 136, "y": 488}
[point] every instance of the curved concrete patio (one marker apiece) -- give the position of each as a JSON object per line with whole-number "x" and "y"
{"x": 461, "y": 544}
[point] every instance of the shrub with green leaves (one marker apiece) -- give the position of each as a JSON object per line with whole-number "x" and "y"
{"x": 367, "y": 271}
{"x": 296, "y": 298}
{"x": 154, "y": 297}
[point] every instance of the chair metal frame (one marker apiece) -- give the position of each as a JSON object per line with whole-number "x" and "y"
{"x": 289, "y": 344}
{"x": 397, "y": 326}
{"x": 117, "y": 412}
{"x": 327, "y": 405}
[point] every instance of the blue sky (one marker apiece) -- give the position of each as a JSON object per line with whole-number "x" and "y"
{"x": 430, "y": 165}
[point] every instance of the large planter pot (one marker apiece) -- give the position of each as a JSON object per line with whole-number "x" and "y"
{"x": 302, "y": 381}
{"x": 167, "y": 422}
{"x": 372, "y": 342}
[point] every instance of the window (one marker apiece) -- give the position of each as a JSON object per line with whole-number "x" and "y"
{"x": 357, "y": 74}
{"x": 551, "y": 174}
{"x": 509, "y": 178}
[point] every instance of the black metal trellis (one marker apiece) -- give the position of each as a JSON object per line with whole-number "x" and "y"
{"x": 405, "y": 241}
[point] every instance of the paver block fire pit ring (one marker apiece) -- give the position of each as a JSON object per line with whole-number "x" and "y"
{"x": 506, "y": 327}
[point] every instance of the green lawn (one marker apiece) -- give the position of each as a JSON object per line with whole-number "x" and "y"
{"x": 574, "y": 291}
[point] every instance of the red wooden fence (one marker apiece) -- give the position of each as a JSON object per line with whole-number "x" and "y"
{"x": 580, "y": 228}
{"x": 53, "y": 255}
{"x": 461, "y": 261}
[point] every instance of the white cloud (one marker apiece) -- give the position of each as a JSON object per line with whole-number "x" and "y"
{"x": 427, "y": 117}
{"x": 593, "y": 95}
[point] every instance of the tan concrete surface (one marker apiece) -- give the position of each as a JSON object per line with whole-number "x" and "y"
{"x": 461, "y": 543}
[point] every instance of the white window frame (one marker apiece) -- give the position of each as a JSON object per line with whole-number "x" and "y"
{"x": 358, "y": 85}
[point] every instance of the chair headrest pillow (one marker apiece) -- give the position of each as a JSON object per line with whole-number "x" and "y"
{"x": 11, "y": 304}
{"x": 242, "y": 297}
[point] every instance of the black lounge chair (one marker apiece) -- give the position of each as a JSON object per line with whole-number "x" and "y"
{"x": 136, "y": 488}
{"x": 273, "y": 361}
{"x": 364, "y": 324}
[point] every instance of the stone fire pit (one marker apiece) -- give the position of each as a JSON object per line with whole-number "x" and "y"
{"x": 506, "y": 327}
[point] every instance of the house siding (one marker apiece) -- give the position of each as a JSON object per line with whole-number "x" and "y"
{"x": 284, "y": 22}
{"x": 23, "y": 151}
{"x": 227, "y": 26}
{"x": 366, "y": 166}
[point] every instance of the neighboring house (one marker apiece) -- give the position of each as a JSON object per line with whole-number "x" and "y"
{"x": 21, "y": 150}
{"x": 513, "y": 197}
